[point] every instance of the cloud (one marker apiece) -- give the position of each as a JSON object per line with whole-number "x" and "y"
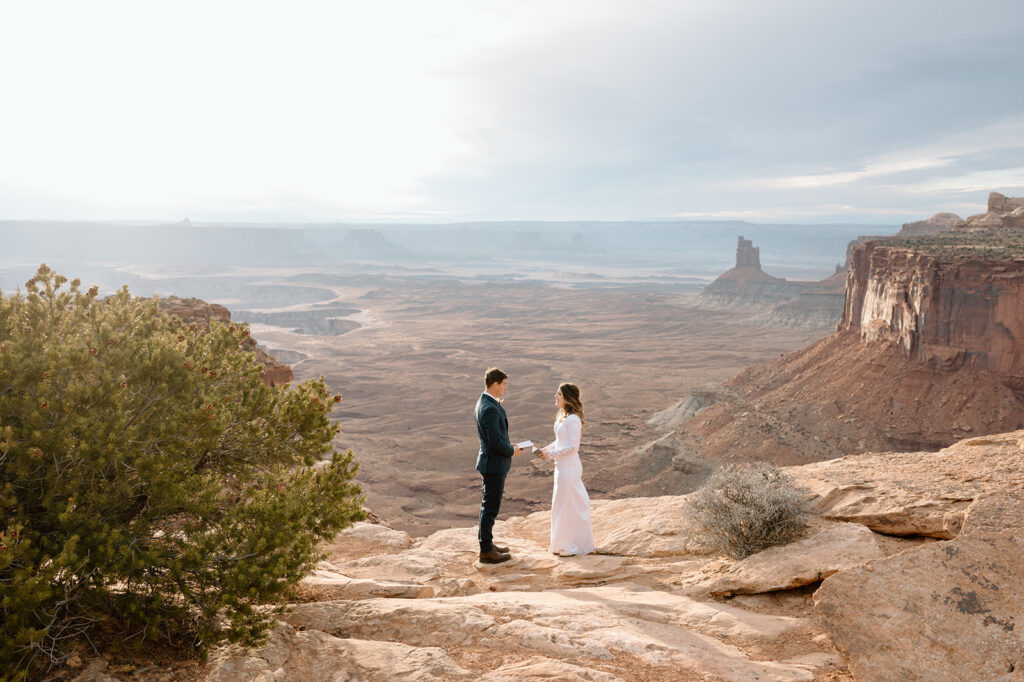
{"x": 872, "y": 170}
{"x": 592, "y": 109}
{"x": 670, "y": 111}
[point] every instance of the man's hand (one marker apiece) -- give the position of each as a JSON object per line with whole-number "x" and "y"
{"x": 516, "y": 450}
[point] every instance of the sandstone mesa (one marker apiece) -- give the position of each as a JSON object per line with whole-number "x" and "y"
{"x": 746, "y": 287}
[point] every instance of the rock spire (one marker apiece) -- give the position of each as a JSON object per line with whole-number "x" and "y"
{"x": 747, "y": 255}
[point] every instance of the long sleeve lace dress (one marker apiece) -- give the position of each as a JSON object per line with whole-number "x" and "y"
{"x": 570, "y": 504}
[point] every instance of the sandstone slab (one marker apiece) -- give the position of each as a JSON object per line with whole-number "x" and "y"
{"x": 888, "y": 508}
{"x": 413, "y": 565}
{"x": 290, "y": 654}
{"x": 539, "y": 668}
{"x": 915, "y": 493}
{"x": 719, "y": 620}
{"x": 327, "y": 583}
{"x": 636, "y": 526}
{"x": 548, "y": 640}
{"x": 828, "y": 549}
{"x": 580, "y": 570}
{"x": 995, "y": 512}
{"x": 363, "y": 539}
{"x": 463, "y": 540}
{"x": 945, "y": 612}
{"x": 665, "y": 631}
{"x": 423, "y": 622}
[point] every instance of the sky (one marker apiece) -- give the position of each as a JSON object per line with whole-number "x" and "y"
{"x": 465, "y": 110}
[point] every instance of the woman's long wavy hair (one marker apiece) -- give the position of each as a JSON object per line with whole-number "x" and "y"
{"x": 573, "y": 404}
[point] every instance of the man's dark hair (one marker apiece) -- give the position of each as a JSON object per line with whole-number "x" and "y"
{"x": 494, "y": 376}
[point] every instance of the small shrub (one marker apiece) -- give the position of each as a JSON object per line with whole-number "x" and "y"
{"x": 741, "y": 510}
{"x": 152, "y": 488}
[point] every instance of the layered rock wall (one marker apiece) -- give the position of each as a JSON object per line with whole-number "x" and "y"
{"x": 940, "y": 311}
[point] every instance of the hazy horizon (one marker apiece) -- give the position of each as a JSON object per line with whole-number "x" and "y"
{"x": 671, "y": 251}
{"x": 796, "y": 112}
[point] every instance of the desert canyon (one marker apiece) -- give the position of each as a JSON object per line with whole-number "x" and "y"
{"x": 904, "y": 426}
{"x": 256, "y": 260}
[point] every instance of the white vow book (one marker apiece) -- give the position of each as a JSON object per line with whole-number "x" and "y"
{"x": 526, "y": 444}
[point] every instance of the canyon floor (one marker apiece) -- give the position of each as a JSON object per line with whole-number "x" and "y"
{"x": 411, "y": 373}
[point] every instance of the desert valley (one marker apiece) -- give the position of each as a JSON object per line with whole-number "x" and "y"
{"x": 405, "y": 333}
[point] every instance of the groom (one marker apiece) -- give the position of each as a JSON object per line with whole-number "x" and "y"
{"x": 494, "y": 460}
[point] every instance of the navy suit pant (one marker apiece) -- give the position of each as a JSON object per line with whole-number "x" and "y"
{"x": 494, "y": 486}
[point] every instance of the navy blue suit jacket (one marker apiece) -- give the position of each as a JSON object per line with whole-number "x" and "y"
{"x": 496, "y": 451}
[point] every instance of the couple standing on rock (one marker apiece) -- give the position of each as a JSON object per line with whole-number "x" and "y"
{"x": 570, "y": 505}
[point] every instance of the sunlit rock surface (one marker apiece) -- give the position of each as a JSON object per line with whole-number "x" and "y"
{"x": 839, "y": 603}
{"x": 946, "y": 612}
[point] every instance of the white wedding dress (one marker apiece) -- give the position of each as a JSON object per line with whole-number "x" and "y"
{"x": 570, "y": 504}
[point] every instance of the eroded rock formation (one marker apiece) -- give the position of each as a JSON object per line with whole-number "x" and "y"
{"x": 196, "y": 311}
{"x": 747, "y": 255}
{"x": 817, "y": 307}
{"x": 779, "y": 302}
{"x": 997, "y": 203}
{"x": 1002, "y": 211}
{"x": 940, "y": 222}
{"x": 929, "y": 494}
{"x": 746, "y": 286}
{"x": 930, "y": 348}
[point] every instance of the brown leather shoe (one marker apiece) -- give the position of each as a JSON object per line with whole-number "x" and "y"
{"x": 503, "y": 550}
{"x": 494, "y": 557}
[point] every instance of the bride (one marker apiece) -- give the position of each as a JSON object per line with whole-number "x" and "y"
{"x": 570, "y": 505}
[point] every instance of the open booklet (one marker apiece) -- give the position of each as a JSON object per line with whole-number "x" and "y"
{"x": 528, "y": 447}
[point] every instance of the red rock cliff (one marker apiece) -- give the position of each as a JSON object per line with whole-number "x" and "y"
{"x": 940, "y": 310}
{"x": 930, "y": 347}
{"x": 195, "y": 311}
